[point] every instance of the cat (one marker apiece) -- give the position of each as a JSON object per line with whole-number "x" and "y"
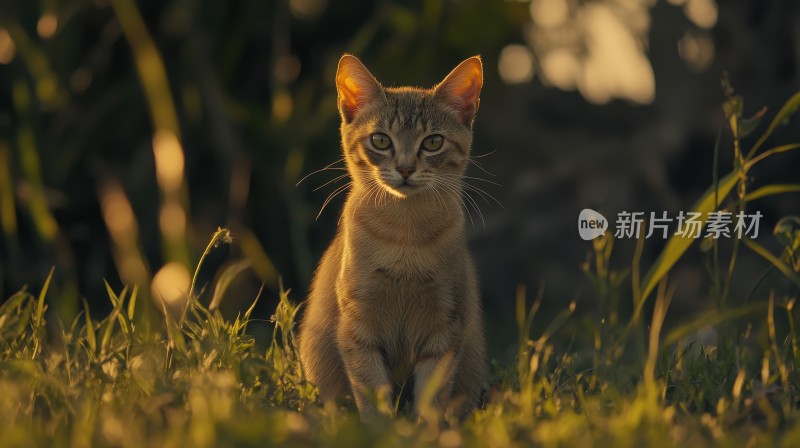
{"x": 395, "y": 296}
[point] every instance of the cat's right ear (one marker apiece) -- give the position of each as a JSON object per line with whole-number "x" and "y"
{"x": 461, "y": 89}
{"x": 356, "y": 87}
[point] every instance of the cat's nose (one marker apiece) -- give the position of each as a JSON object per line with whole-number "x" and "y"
{"x": 405, "y": 171}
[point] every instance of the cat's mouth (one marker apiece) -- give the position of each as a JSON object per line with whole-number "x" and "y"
{"x": 403, "y": 188}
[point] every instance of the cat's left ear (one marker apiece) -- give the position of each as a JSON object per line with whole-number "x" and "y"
{"x": 461, "y": 89}
{"x": 356, "y": 87}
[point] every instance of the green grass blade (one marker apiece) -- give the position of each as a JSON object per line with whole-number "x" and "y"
{"x": 678, "y": 245}
{"x": 25, "y": 317}
{"x": 225, "y": 280}
{"x": 769, "y": 152}
{"x": 132, "y": 303}
{"x": 253, "y": 306}
{"x": 37, "y": 318}
{"x": 111, "y": 294}
{"x": 556, "y": 323}
{"x": 115, "y": 313}
{"x": 786, "y": 270}
{"x": 788, "y": 109}
{"x": 91, "y": 337}
{"x": 770, "y": 190}
{"x": 13, "y": 302}
{"x": 708, "y": 319}
{"x": 174, "y": 332}
{"x": 221, "y": 236}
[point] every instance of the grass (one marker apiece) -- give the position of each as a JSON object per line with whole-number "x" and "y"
{"x": 195, "y": 378}
{"x": 201, "y": 380}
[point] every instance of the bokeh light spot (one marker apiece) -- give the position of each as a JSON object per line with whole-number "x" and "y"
{"x": 616, "y": 65}
{"x": 287, "y": 68}
{"x": 171, "y": 285}
{"x": 560, "y": 68}
{"x": 702, "y": 13}
{"x": 47, "y": 26}
{"x": 282, "y": 106}
{"x": 118, "y": 214}
{"x": 549, "y": 13}
{"x": 172, "y": 220}
{"x": 307, "y": 9}
{"x": 7, "y": 47}
{"x": 169, "y": 160}
{"x": 516, "y": 64}
{"x": 697, "y": 49}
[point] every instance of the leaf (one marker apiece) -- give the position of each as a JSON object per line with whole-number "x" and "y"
{"x": 24, "y": 318}
{"x": 788, "y": 109}
{"x": 91, "y": 338}
{"x": 132, "y": 303}
{"x": 709, "y": 318}
{"x": 677, "y": 245}
{"x": 221, "y": 236}
{"x": 786, "y": 270}
{"x": 769, "y": 152}
{"x": 174, "y": 333}
{"x": 226, "y": 278}
{"x": 748, "y": 125}
{"x": 115, "y": 313}
{"x": 774, "y": 189}
{"x": 37, "y": 318}
{"x": 253, "y": 306}
{"x": 14, "y": 302}
{"x": 787, "y": 232}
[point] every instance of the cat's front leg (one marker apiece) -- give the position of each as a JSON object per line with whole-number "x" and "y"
{"x": 433, "y": 383}
{"x": 365, "y": 367}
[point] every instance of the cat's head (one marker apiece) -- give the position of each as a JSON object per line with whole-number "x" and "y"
{"x": 407, "y": 140}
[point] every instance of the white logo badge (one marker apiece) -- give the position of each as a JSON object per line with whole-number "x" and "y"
{"x": 591, "y": 224}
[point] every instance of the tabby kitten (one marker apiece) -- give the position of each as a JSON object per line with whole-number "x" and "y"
{"x": 395, "y": 296}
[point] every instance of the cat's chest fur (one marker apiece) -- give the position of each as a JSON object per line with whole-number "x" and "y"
{"x": 405, "y": 296}
{"x": 404, "y": 289}
{"x": 401, "y": 242}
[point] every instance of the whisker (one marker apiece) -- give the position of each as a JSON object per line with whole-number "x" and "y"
{"x": 372, "y": 186}
{"x": 477, "y": 207}
{"x": 327, "y": 168}
{"x": 480, "y": 167}
{"x": 484, "y": 155}
{"x": 441, "y": 199}
{"x": 455, "y": 192}
{"x": 459, "y": 185}
{"x": 335, "y": 179}
{"x": 333, "y": 194}
{"x": 483, "y": 194}
{"x": 454, "y": 176}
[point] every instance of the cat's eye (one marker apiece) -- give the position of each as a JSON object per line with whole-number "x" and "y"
{"x": 433, "y": 143}
{"x": 381, "y": 141}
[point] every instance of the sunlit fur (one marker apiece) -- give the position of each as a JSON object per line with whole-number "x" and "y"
{"x": 396, "y": 295}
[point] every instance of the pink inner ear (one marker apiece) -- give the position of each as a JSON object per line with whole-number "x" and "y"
{"x": 462, "y": 88}
{"x": 470, "y": 96}
{"x": 356, "y": 86}
{"x": 349, "y": 97}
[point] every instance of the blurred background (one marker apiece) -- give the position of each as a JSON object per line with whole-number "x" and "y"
{"x": 131, "y": 130}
